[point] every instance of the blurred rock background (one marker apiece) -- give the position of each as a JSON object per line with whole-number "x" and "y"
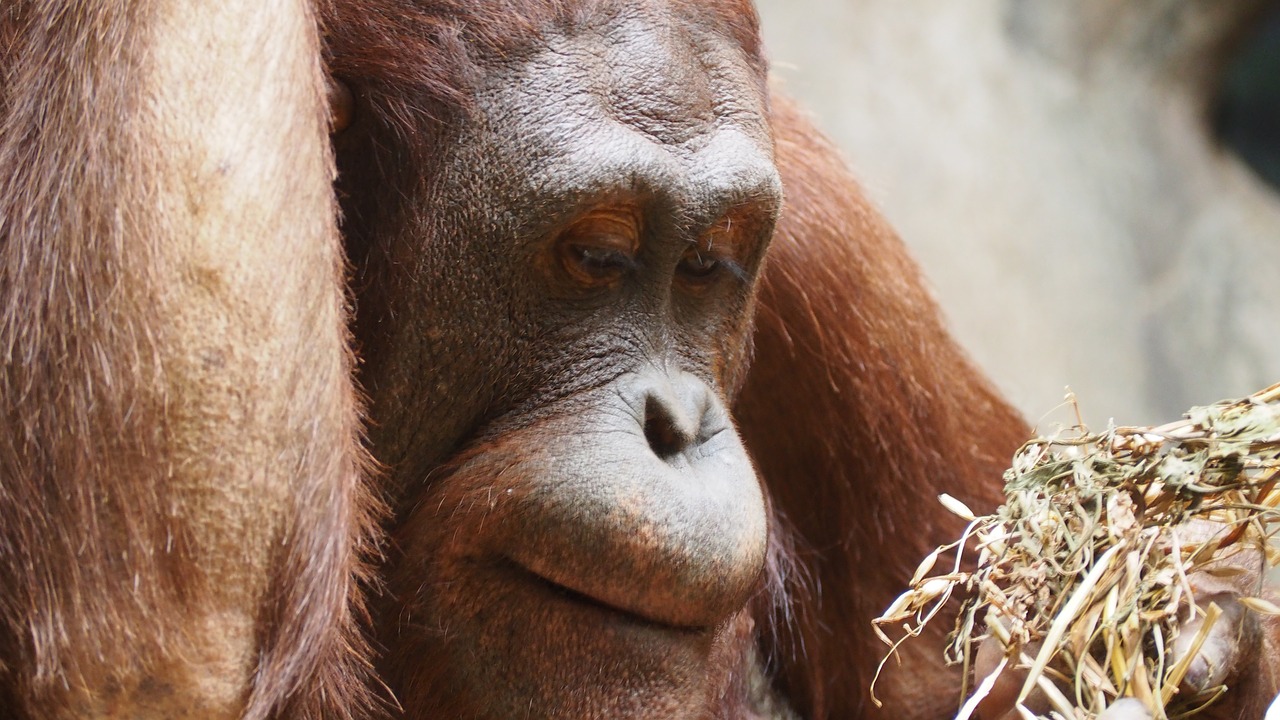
{"x": 1085, "y": 183}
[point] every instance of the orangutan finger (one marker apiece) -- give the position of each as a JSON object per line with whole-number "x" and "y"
{"x": 1126, "y": 709}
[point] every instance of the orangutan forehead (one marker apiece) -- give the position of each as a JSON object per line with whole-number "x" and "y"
{"x": 673, "y": 84}
{"x": 627, "y": 106}
{"x": 532, "y": 22}
{"x": 418, "y": 60}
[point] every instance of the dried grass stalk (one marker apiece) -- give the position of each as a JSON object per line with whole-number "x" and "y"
{"x": 1082, "y": 573}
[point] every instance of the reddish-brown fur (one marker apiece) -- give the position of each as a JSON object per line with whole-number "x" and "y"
{"x": 114, "y": 444}
{"x": 858, "y": 409}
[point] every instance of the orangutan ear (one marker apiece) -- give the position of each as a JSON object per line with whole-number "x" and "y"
{"x": 342, "y": 106}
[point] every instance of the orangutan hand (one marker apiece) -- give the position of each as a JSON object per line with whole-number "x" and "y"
{"x": 1131, "y": 709}
{"x": 1239, "y": 652}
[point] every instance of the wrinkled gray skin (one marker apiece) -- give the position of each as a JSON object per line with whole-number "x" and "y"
{"x": 1052, "y": 166}
{"x": 593, "y": 553}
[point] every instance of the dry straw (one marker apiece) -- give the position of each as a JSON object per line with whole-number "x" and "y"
{"x": 1082, "y": 575}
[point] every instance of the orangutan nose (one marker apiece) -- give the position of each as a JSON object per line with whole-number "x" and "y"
{"x": 680, "y": 414}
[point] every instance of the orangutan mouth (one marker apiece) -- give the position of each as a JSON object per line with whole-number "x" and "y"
{"x": 577, "y": 597}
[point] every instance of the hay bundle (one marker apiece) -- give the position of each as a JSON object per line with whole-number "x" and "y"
{"x": 1082, "y": 573}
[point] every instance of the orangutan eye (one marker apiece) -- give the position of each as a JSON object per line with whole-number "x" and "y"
{"x": 698, "y": 264}
{"x": 718, "y": 251}
{"x": 602, "y": 259}
{"x": 601, "y": 246}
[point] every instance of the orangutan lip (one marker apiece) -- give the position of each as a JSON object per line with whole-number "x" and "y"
{"x": 581, "y": 598}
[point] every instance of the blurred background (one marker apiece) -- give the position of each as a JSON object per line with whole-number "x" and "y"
{"x": 1091, "y": 186}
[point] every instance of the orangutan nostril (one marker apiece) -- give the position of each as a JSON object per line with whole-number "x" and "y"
{"x": 662, "y": 429}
